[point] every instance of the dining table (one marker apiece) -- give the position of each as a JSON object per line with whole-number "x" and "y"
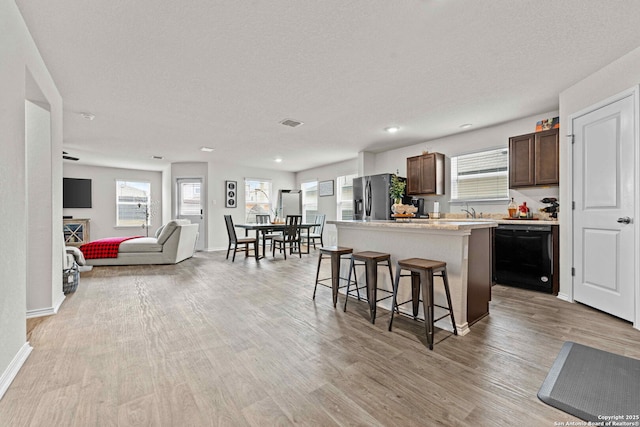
{"x": 270, "y": 228}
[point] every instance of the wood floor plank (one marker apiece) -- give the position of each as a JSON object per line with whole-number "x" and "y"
{"x": 209, "y": 342}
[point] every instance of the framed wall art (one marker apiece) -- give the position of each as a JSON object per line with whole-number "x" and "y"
{"x": 231, "y": 194}
{"x": 325, "y": 188}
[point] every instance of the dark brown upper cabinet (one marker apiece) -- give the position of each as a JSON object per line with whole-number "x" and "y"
{"x": 425, "y": 174}
{"x": 534, "y": 159}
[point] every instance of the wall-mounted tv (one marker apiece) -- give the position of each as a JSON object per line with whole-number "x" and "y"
{"x": 76, "y": 193}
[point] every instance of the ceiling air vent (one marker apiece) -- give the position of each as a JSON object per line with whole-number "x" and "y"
{"x": 66, "y": 156}
{"x": 291, "y": 123}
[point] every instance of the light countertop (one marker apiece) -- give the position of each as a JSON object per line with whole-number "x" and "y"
{"x": 422, "y": 224}
{"x": 455, "y": 224}
{"x": 539, "y": 221}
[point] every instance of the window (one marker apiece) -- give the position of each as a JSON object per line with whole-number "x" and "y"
{"x": 257, "y": 198}
{"x": 189, "y": 201}
{"x": 344, "y": 197}
{"x": 309, "y": 200}
{"x": 132, "y": 203}
{"x": 480, "y": 176}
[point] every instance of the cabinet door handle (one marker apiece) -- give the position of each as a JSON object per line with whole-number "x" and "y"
{"x": 624, "y": 220}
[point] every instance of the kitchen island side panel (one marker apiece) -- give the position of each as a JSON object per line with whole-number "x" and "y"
{"x": 480, "y": 274}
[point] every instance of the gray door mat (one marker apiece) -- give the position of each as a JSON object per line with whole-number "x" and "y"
{"x": 593, "y": 385}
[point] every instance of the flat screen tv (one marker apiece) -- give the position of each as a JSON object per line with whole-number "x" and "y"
{"x": 76, "y": 193}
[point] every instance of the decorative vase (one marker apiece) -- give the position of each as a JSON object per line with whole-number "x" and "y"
{"x": 397, "y": 207}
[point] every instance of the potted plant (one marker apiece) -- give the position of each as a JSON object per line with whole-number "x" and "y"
{"x": 396, "y": 190}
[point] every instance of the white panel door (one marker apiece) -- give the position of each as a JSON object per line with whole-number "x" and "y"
{"x": 191, "y": 206}
{"x": 603, "y": 192}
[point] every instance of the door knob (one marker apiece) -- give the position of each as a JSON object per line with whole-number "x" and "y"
{"x": 624, "y": 220}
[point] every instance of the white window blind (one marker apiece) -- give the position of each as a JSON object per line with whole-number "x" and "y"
{"x": 480, "y": 176}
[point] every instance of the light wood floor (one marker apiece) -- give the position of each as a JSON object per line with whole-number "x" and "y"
{"x": 208, "y": 342}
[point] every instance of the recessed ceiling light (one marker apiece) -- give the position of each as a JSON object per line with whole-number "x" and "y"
{"x": 207, "y": 149}
{"x": 88, "y": 116}
{"x": 466, "y": 126}
{"x": 278, "y": 159}
{"x": 392, "y": 129}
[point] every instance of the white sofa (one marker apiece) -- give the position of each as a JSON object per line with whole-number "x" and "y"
{"x": 174, "y": 242}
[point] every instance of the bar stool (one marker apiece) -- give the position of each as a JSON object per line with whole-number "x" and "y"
{"x": 335, "y": 253}
{"x": 371, "y": 260}
{"x": 422, "y": 272}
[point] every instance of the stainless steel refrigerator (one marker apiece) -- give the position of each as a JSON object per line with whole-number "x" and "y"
{"x": 371, "y": 199}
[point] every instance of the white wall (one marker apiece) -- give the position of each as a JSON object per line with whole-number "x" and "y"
{"x": 102, "y": 214}
{"x": 218, "y": 173}
{"x": 44, "y": 284}
{"x": 474, "y": 140}
{"x": 470, "y": 141}
{"x": 103, "y": 188}
{"x": 19, "y": 56}
{"x": 616, "y": 77}
{"x": 328, "y": 204}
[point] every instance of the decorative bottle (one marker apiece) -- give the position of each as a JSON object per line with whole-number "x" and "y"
{"x": 512, "y": 208}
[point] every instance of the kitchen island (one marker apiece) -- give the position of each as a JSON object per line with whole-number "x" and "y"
{"x": 466, "y": 247}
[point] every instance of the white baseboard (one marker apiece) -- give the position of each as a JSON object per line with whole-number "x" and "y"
{"x": 564, "y": 297}
{"x": 41, "y": 312}
{"x": 14, "y": 367}
{"x": 214, "y": 249}
{"x": 47, "y": 311}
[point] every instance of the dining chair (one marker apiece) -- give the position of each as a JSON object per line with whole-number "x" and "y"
{"x": 290, "y": 236}
{"x": 235, "y": 241}
{"x": 266, "y": 219}
{"x": 317, "y": 231}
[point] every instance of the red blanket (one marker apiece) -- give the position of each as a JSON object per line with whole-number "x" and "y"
{"x": 104, "y": 248}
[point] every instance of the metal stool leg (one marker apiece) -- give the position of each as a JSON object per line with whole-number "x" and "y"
{"x": 415, "y": 293}
{"x": 335, "y": 277}
{"x": 349, "y": 284}
{"x": 372, "y": 286}
{"x": 426, "y": 278}
{"x": 391, "y": 279}
{"x": 445, "y": 280}
{"x": 317, "y": 276}
{"x": 394, "y": 301}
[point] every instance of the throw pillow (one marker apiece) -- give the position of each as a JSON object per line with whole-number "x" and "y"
{"x": 158, "y": 231}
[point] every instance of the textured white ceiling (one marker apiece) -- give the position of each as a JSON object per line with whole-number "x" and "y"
{"x": 165, "y": 77}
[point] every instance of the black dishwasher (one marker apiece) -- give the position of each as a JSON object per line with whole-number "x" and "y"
{"x": 524, "y": 256}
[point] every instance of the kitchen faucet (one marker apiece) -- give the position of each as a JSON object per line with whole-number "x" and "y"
{"x": 470, "y": 214}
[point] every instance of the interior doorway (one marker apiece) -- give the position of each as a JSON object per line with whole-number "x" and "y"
{"x": 191, "y": 205}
